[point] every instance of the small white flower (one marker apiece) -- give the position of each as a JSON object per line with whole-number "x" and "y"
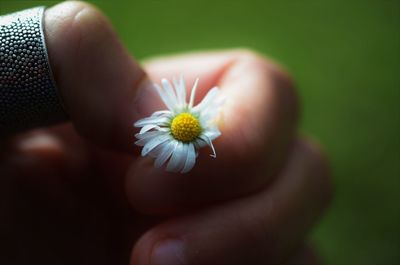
{"x": 177, "y": 134}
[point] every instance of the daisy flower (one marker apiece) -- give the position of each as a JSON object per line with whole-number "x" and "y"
{"x": 175, "y": 135}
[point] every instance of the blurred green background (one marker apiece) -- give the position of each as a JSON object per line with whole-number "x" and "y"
{"x": 345, "y": 59}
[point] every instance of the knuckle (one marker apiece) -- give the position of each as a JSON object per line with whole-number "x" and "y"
{"x": 285, "y": 92}
{"x": 281, "y": 84}
{"x": 266, "y": 63}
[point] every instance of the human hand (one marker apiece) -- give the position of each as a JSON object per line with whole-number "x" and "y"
{"x": 79, "y": 193}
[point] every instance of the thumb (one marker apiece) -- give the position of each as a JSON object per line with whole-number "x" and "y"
{"x": 96, "y": 77}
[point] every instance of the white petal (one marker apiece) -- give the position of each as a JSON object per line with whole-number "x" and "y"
{"x": 180, "y": 89}
{"x": 176, "y": 88}
{"x": 183, "y": 89}
{"x": 165, "y": 98}
{"x": 152, "y": 120}
{"x": 190, "y": 159}
{"x": 165, "y": 153}
{"x": 209, "y": 143}
{"x": 146, "y": 137}
{"x": 170, "y": 91}
{"x": 143, "y": 142}
{"x": 193, "y": 94}
{"x": 212, "y": 134}
{"x": 208, "y": 99}
{"x": 147, "y": 134}
{"x": 178, "y": 158}
{"x": 166, "y": 113}
{"x": 148, "y": 127}
{"x": 154, "y": 142}
{"x": 198, "y": 143}
{"x": 158, "y": 149}
{"x": 208, "y": 115}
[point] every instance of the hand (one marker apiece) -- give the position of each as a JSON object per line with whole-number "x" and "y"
{"x": 80, "y": 194}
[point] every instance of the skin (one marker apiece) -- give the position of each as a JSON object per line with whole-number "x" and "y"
{"x": 79, "y": 193}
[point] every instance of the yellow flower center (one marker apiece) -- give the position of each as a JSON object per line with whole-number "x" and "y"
{"x": 185, "y": 127}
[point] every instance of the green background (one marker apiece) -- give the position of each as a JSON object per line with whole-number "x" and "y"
{"x": 345, "y": 58}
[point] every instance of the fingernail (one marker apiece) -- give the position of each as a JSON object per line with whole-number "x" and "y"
{"x": 169, "y": 252}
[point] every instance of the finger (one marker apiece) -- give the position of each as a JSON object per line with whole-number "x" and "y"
{"x": 36, "y": 154}
{"x": 96, "y": 77}
{"x": 258, "y": 125}
{"x": 44, "y": 152}
{"x": 45, "y": 158}
{"x": 55, "y": 157}
{"x": 259, "y": 229}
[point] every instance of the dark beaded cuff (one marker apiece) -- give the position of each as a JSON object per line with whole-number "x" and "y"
{"x": 28, "y": 95}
